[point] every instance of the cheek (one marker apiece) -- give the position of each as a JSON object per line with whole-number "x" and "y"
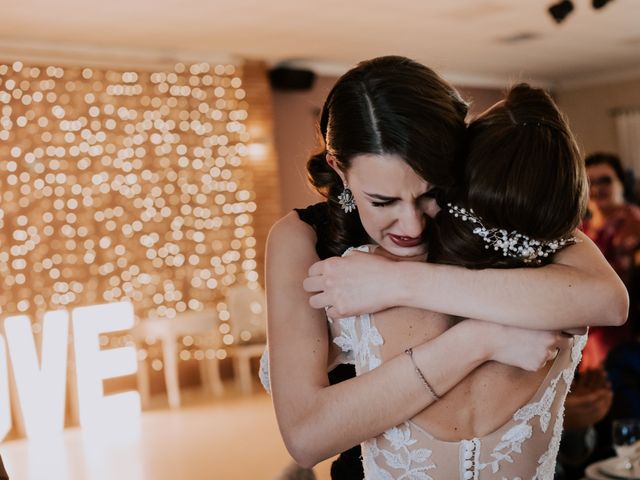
{"x": 618, "y": 188}
{"x": 601, "y": 191}
{"x": 374, "y": 219}
{"x": 606, "y": 192}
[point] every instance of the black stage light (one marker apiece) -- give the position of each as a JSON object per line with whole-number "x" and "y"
{"x": 560, "y": 10}
{"x": 598, "y": 4}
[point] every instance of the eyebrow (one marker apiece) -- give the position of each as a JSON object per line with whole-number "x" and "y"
{"x": 380, "y": 197}
{"x": 377, "y": 196}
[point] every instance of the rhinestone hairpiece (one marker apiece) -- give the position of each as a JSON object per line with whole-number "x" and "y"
{"x": 512, "y": 244}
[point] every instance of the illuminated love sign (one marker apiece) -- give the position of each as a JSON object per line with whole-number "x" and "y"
{"x": 40, "y": 383}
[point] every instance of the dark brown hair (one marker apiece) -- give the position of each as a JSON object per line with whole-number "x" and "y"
{"x": 387, "y": 105}
{"x": 522, "y": 172}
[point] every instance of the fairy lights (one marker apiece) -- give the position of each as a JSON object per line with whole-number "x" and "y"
{"x": 119, "y": 187}
{"x": 123, "y": 186}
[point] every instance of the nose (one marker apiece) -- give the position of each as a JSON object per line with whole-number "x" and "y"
{"x": 412, "y": 221}
{"x": 595, "y": 190}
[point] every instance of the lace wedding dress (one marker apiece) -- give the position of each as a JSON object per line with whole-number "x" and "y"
{"x": 525, "y": 447}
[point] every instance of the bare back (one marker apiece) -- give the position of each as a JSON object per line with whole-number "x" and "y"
{"x": 498, "y": 419}
{"x": 482, "y": 402}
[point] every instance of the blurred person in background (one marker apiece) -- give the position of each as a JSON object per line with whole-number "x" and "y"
{"x": 614, "y": 225}
{"x": 587, "y": 404}
{"x": 614, "y": 222}
{"x": 608, "y": 384}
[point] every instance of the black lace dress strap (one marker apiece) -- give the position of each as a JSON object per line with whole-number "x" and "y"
{"x": 348, "y": 466}
{"x": 317, "y": 216}
{"x": 3, "y": 472}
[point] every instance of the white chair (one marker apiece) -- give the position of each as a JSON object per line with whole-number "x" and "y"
{"x": 248, "y": 314}
{"x": 168, "y": 330}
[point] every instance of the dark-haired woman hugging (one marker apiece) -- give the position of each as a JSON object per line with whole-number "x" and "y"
{"x": 394, "y": 135}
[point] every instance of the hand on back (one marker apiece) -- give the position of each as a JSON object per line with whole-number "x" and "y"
{"x": 520, "y": 347}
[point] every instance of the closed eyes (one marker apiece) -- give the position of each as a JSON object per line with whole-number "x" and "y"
{"x": 384, "y": 201}
{"x": 383, "y": 204}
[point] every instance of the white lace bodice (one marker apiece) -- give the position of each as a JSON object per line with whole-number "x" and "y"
{"x": 523, "y": 448}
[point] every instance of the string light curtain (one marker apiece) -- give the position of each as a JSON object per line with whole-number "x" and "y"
{"x": 119, "y": 185}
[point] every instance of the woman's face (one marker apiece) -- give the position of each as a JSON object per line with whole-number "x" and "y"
{"x": 605, "y": 188}
{"x": 392, "y": 201}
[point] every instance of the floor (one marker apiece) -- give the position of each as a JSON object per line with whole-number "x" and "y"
{"x": 235, "y": 438}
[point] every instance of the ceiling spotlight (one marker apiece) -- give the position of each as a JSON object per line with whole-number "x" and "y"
{"x": 598, "y": 4}
{"x": 560, "y": 10}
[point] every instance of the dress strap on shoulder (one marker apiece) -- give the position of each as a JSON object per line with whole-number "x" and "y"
{"x": 315, "y": 215}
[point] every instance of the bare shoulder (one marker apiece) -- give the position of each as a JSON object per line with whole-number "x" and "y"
{"x": 291, "y": 246}
{"x": 291, "y": 224}
{"x": 291, "y": 233}
{"x": 290, "y": 253}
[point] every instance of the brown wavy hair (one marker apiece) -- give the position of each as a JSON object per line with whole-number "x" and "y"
{"x": 387, "y": 105}
{"x": 522, "y": 171}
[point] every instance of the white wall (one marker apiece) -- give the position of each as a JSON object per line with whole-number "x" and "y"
{"x": 590, "y": 112}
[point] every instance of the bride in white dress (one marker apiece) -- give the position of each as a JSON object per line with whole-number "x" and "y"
{"x": 317, "y": 421}
{"x": 499, "y": 420}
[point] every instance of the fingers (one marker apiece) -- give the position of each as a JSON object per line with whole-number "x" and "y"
{"x": 324, "y": 266}
{"x": 575, "y": 331}
{"x": 313, "y": 284}
{"x": 557, "y": 341}
{"x": 319, "y": 301}
{"x": 322, "y": 301}
{"x": 332, "y": 312}
{"x": 561, "y": 341}
{"x": 318, "y": 268}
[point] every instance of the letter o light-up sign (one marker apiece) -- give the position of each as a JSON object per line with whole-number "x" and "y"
{"x": 40, "y": 383}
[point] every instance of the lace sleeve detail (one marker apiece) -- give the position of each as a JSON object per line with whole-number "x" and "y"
{"x": 361, "y": 248}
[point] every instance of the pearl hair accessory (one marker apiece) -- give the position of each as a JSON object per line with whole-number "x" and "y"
{"x": 512, "y": 244}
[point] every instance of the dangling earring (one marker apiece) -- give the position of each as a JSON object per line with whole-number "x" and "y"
{"x": 347, "y": 202}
